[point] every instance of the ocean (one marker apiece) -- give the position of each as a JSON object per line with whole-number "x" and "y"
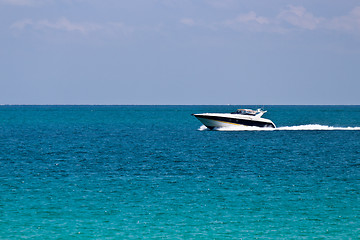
{"x": 154, "y": 172}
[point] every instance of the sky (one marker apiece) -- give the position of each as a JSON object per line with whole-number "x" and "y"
{"x": 236, "y": 52}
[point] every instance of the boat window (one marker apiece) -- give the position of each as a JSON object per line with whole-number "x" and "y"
{"x": 245, "y": 112}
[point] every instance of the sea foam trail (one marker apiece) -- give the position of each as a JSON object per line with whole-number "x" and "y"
{"x": 286, "y": 128}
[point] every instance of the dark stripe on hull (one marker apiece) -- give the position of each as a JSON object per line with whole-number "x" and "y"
{"x": 237, "y": 121}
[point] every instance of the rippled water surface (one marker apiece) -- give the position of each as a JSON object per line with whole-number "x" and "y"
{"x": 149, "y": 172}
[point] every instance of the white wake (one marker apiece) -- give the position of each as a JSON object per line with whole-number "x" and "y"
{"x": 286, "y": 128}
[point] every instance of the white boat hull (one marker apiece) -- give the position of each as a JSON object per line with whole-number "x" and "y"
{"x": 216, "y": 124}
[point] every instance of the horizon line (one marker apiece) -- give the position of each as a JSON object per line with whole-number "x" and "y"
{"x": 179, "y": 105}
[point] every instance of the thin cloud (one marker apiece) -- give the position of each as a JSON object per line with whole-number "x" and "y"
{"x": 190, "y": 22}
{"x": 187, "y": 21}
{"x": 22, "y": 24}
{"x": 289, "y": 19}
{"x": 348, "y": 23}
{"x": 252, "y": 22}
{"x": 119, "y": 26}
{"x": 110, "y": 29}
{"x": 247, "y": 18}
{"x": 298, "y": 16}
{"x": 62, "y": 24}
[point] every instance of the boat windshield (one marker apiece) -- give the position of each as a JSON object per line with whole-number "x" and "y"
{"x": 246, "y": 112}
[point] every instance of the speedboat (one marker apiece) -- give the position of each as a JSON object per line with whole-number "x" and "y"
{"x": 241, "y": 117}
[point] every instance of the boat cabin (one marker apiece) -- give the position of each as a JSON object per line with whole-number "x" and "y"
{"x": 246, "y": 112}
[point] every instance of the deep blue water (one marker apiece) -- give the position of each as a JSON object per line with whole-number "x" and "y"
{"x": 148, "y": 172}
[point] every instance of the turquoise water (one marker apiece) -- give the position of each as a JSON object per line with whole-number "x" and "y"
{"x": 150, "y": 172}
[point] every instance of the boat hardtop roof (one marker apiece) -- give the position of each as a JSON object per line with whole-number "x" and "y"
{"x": 245, "y": 111}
